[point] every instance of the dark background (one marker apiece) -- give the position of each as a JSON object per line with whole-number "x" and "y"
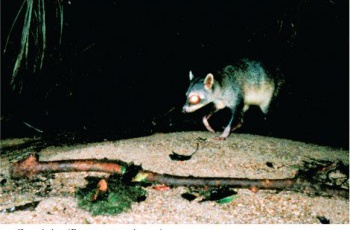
{"x": 122, "y": 67}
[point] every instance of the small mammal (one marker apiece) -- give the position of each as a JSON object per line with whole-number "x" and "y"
{"x": 235, "y": 87}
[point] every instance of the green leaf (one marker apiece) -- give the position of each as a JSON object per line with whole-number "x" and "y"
{"x": 227, "y": 199}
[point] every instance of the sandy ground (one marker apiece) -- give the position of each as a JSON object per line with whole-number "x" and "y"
{"x": 241, "y": 155}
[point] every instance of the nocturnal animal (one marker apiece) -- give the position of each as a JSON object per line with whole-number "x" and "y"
{"x": 235, "y": 87}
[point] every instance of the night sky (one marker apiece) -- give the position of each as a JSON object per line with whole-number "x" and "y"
{"x": 122, "y": 68}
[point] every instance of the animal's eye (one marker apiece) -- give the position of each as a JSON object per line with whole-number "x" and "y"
{"x": 194, "y": 99}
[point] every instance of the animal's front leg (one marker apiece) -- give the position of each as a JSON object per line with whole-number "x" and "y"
{"x": 206, "y": 123}
{"x": 228, "y": 128}
{"x": 226, "y": 132}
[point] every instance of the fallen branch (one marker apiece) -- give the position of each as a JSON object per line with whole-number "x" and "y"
{"x": 31, "y": 166}
{"x": 309, "y": 180}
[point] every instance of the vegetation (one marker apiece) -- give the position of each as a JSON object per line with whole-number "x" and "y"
{"x": 118, "y": 198}
{"x": 33, "y": 41}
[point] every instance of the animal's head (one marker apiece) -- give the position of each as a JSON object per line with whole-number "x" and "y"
{"x": 199, "y": 93}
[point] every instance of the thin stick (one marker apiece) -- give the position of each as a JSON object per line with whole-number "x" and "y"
{"x": 253, "y": 184}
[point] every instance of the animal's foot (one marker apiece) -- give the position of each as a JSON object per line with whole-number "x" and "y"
{"x": 225, "y": 134}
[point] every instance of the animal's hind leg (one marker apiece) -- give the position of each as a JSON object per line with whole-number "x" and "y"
{"x": 264, "y": 106}
{"x": 240, "y": 123}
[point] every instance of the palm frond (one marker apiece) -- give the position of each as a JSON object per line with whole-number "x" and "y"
{"x": 23, "y": 52}
{"x": 33, "y": 36}
{"x": 60, "y": 10}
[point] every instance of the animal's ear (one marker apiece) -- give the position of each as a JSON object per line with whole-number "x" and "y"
{"x": 209, "y": 81}
{"x": 191, "y": 75}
